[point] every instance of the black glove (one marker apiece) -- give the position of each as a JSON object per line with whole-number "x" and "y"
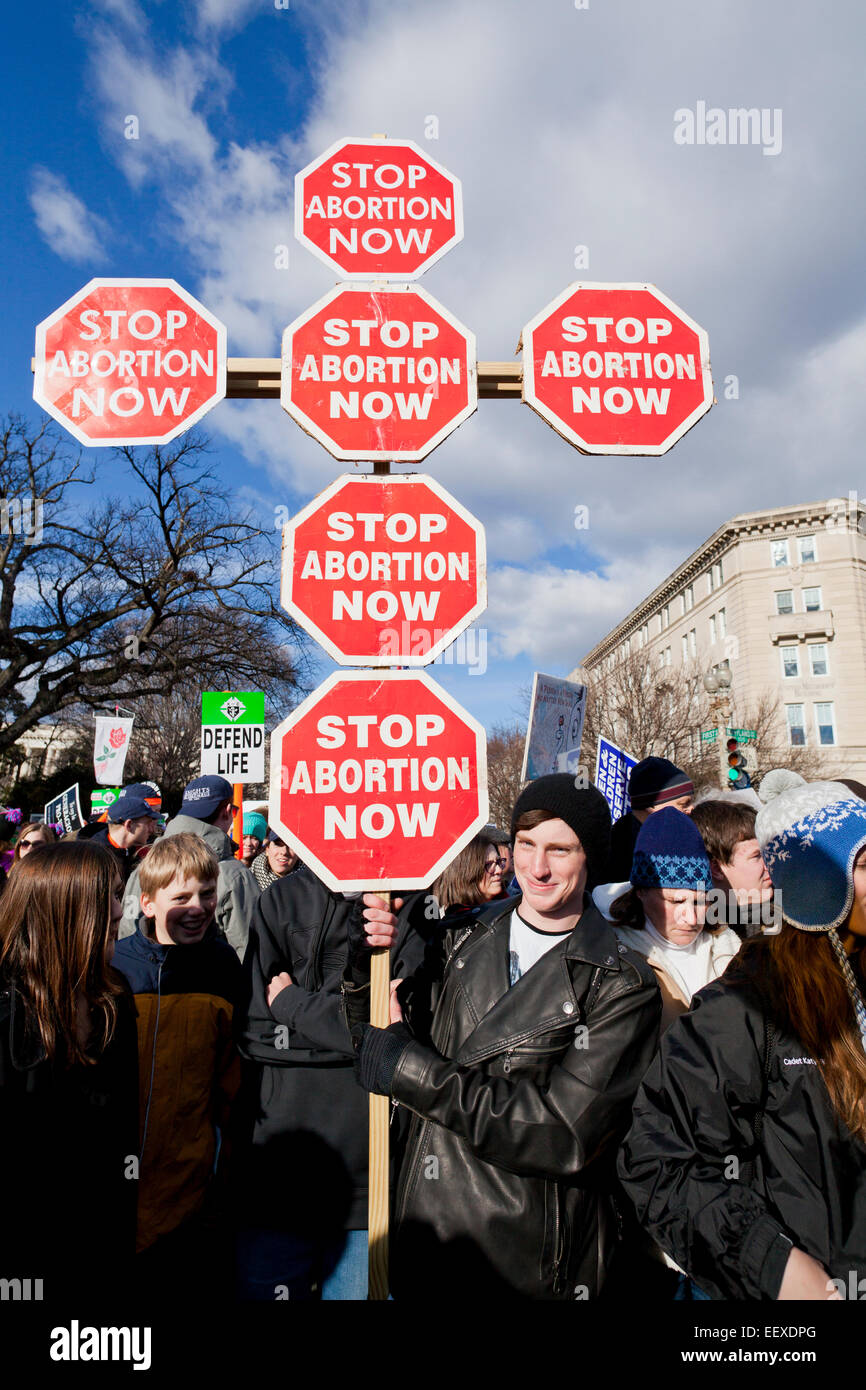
{"x": 358, "y": 958}
{"x": 379, "y": 1051}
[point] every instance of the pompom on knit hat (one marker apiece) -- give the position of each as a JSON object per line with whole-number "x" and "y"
{"x": 669, "y": 853}
{"x": 777, "y": 781}
{"x": 255, "y": 824}
{"x": 656, "y": 780}
{"x": 584, "y": 809}
{"x": 809, "y": 838}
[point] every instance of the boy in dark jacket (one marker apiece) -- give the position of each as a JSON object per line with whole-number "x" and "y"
{"x": 186, "y": 979}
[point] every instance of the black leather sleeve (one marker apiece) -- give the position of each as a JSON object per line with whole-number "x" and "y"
{"x": 554, "y": 1130}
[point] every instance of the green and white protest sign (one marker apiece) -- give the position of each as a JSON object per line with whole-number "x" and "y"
{"x": 233, "y": 735}
{"x": 101, "y": 798}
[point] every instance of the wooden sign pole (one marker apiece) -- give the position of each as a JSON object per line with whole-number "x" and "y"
{"x": 378, "y": 1208}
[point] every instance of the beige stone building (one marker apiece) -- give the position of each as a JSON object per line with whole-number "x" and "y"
{"x": 780, "y": 597}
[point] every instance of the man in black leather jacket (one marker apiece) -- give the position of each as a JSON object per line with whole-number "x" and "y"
{"x": 519, "y": 1056}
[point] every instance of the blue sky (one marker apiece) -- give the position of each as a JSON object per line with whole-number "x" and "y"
{"x": 560, "y": 123}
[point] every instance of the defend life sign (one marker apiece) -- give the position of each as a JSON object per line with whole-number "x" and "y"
{"x": 617, "y": 369}
{"x": 378, "y": 374}
{"x": 378, "y": 779}
{"x": 233, "y": 735}
{"x": 384, "y": 571}
{"x": 377, "y": 209}
{"x": 129, "y": 362}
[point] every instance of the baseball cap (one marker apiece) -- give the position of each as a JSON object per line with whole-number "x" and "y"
{"x": 204, "y": 795}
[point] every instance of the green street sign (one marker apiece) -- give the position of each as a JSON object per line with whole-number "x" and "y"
{"x": 709, "y": 735}
{"x": 744, "y": 735}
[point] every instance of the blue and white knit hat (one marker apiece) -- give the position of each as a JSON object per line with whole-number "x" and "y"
{"x": 669, "y": 853}
{"x": 809, "y": 838}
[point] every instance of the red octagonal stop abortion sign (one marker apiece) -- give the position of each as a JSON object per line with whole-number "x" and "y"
{"x": 377, "y": 209}
{"x": 384, "y": 571}
{"x": 129, "y": 362}
{"x": 378, "y": 780}
{"x": 617, "y": 369}
{"x": 378, "y": 374}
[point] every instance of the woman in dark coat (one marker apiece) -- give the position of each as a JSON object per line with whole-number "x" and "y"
{"x": 746, "y": 1160}
{"x": 68, "y": 1076}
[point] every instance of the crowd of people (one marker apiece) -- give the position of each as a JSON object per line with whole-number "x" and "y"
{"x": 619, "y": 1057}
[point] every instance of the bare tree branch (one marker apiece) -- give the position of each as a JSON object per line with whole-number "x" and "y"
{"x": 123, "y": 598}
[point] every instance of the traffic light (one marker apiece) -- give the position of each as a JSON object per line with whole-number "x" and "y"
{"x": 738, "y": 777}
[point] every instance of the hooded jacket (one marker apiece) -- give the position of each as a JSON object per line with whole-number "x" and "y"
{"x": 519, "y": 1105}
{"x": 189, "y": 1069}
{"x": 237, "y": 889}
{"x": 306, "y": 1118}
{"x": 728, "y": 1170}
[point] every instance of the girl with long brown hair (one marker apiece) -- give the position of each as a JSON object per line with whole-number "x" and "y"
{"x": 746, "y": 1160}
{"x": 68, "y": 1073}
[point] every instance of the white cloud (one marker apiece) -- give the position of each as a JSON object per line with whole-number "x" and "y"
{"x": 560, "y": 124}
{"x": 554, "y": 615}
{"x": 229, "y": 15}
{"x": 71, "y": 230}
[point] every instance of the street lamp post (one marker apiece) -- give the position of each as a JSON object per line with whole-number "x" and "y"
{"x": 718, "y": 685}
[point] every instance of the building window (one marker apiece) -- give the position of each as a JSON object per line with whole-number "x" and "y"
{"x": 779, "y": 554}
{"x": 796, "y": 725}
{"x": 689, "y": 598}
{"x": 806, "y": 549}
{"x": 666, "y": 616}
{"x": 693, "y": 642}
{"x": 790, "y": 661}
{"x": 784, "y": 600}
{"x": 723, "y": 623}
{"x": 825, "y": 723}
{"x": 818, "y": 659}
{"x": 721, "y": 578}
{"x": 811, "y": 600}
{"x": 685, "y": 641}
{"x": 712, "y": 630}
{"x": 667, "y": 656}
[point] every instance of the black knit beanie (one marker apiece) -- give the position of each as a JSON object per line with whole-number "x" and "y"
{"x": 655, "y": 781}
{"x": 584, "y": 809}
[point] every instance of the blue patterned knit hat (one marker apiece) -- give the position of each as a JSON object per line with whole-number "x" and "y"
{"x": 809, "y": 839}
{"x": 669, "y": 853}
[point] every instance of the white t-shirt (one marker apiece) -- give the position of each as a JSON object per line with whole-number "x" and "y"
{"x": 527, "y": 944}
